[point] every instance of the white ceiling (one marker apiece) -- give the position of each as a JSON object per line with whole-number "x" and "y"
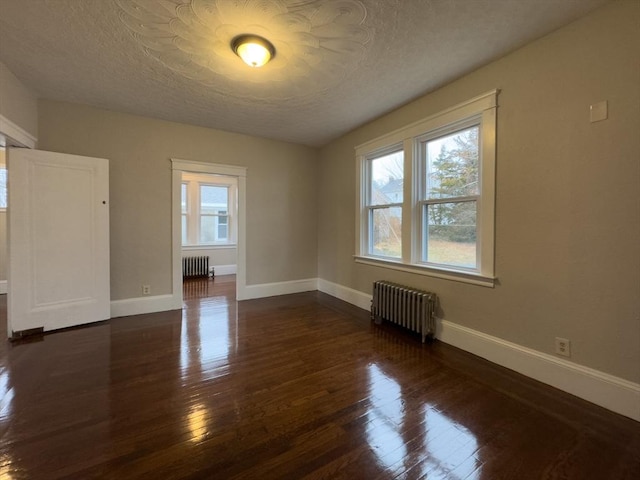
{"x": 338, "y": 63}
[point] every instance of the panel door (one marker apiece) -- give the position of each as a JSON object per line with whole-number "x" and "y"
{"x": 58, "y": 240}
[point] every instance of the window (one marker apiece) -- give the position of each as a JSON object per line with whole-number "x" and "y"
{"x": 3, "y": 181}
{"x": 426, "y": 195}
{"x": 384, "y": 204}
{"x": 206, "y": 209}
{"x": 214, "y": 202}
{"x": 185, "y": 212}
{"x": 449, "y": 200}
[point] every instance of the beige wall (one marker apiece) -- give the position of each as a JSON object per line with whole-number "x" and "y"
{"x": 281, "y": 192}
{"x": 19, "y": 106}
{"x": 568, "y": 196}
{"x": 17, "y": 103}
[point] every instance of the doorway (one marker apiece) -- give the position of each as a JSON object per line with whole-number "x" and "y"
{"x": 182, "y": 168}
{"x": 209, "y": 231}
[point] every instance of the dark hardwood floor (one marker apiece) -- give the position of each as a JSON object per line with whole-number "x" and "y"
{"x": 292, "y": 387}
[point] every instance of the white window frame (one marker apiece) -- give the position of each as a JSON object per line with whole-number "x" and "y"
{"x": 369, "y": 206}
{"x": 194, "y": 182}
{"x": 481, "y": 111}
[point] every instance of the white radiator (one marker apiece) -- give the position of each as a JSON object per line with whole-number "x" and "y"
{"x": 405, "y": 306}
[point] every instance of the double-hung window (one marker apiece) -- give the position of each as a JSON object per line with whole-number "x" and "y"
{"x": 449, "y": 198}
{"x": 426, "y": 195}
{"x": 207, "y": 209}
{"x": 384, "y": 193}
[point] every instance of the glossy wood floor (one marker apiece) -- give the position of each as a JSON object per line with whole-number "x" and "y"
{"x": 292, "y": 387}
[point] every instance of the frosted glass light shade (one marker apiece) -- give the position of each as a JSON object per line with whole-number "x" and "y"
{"x": 255, "y": 51}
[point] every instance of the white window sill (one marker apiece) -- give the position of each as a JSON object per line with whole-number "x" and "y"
{"x": 456, "y": 276}
{"x": 226, "y": 246}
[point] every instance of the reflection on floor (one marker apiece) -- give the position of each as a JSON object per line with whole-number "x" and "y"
{"x": 221, "y": 286}
{"x": 290, "y": 387}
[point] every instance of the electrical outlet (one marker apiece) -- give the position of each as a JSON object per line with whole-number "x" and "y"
{"x": 563, "y": 347}
{"x": 146, "y": 289}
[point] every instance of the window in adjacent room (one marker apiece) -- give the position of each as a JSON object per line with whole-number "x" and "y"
{"x": 3, "y": 180}
{"x": 207, "y": 207}
{"x": 214, "y": 203}
{"x": 426, "y": 195}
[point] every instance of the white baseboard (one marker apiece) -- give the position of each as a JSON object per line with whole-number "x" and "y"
{"x": 140, "y": 305}
{"x": 613, "y": 393}
{"x": 224, "y": 269}
{"x": 3, "y": 287}
{"x": 349, "y": 295}
{"x": 608, "y": 391}
{"x": 278, "y": 288}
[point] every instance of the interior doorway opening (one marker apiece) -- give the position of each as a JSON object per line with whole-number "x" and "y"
{"x": 209, "y": 224}
{"x": 208, "y": 220}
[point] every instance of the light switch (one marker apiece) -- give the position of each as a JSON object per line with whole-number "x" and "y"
{"x": 598, "y": 111}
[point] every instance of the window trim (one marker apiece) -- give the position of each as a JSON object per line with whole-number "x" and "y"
{"x": 482, "y": 111}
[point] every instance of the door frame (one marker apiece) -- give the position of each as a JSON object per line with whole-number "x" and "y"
{"x": 12, "y": 135}
{"x": 178, "y": 167}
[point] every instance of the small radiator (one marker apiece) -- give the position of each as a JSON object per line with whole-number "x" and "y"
{"x": 195, "y": 267}
{"x": 405, "y": 306}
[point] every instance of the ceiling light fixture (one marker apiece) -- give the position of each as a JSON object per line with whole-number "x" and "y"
{"x": 255, "y": 51}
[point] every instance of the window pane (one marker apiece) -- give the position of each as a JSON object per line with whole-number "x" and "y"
{"x": 184, "y": 198}
{"x": 451, "y": 234}
{"x": 3, "y": 187}
{"x": 223, "y": 227}
{"x": 184, "y": 230}
{"x": 222, "y": 231}
{"x": 386, "y": 226}
{"x": 207, "y": 229}
{"x": 387, "y": 174}
{"x": 452, "y": 164}
{"x": 213, "y": 198}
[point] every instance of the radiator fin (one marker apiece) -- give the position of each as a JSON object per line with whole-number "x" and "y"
{"x": 405, "y": 306}
{"x": 193, "y": 267}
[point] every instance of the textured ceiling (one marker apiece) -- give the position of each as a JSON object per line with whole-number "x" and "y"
{"x": 338, "y": 63}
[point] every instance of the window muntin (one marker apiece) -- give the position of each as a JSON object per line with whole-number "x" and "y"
{"x": 385, "y": 174}
{"x": 448, "y": 196}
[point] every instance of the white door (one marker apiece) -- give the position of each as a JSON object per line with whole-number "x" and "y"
{"x": 58, "y": 240}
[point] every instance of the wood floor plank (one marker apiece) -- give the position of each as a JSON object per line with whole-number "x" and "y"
{"x": 291, "y": 387}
